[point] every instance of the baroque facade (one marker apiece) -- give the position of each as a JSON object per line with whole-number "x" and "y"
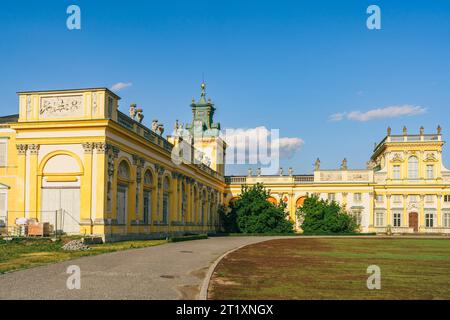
{"x": 72, "y": 159}
{"x": 404, "y": 189}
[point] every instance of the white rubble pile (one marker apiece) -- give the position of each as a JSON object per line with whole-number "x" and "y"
{"x": 75, "y": 245}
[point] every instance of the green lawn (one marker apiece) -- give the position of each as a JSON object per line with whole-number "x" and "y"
{"x": 21, "y": 254}
{"x": 335, "y": 268}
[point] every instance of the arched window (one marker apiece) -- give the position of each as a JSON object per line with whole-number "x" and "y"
{"x": 166, "y": 200}
{"x": 148, "y": 178}
{"x": 124, "y": 170}
{"x": 413, "y": 168}
{"x": 122, "y": 192}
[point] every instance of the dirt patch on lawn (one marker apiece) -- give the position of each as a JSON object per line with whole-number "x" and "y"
{"x": 334, "y": 268}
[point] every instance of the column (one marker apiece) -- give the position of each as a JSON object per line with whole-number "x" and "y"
{"x": 344, "y": 199}
{"x": 439, "y": 211}
{"x": 132, "y": 197}
{"x": 388, "y": 210}
{"x": 371, "y": 211}
{"x": 114, "y": 183}
{"x": 422, "y": 212}
{"x": 22, "y": 178}
{"x": 102, "y": 171}
{"x": 405, "y": 221}
{"x": 86, "y": 190}
{"x": 34, "y": 152}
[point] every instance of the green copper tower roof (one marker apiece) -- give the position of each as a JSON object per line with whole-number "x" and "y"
{"x": 203, "y": 116}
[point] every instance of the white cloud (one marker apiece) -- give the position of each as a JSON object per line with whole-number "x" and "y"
{"x": 120, "y": 85}
{"x": 253, "y": 143}
{"x": 336, "y": 117}
{"x": 289, "y": 146}
{"x": 380, "y": 113}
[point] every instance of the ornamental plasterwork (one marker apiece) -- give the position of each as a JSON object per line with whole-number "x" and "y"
{"x": 63, "y": 106}
{"x": 397, "y": 158}
{"x": 94, "y": 104}
{"x": 100, "y": 146}
{"x": 330, "y": 176}
{"x": 22, "y": 148}
{"x": 430, "y": 157}
{"x": 29, "y": 109}
{"x": 34, "y": 148}
{"x": 88, "y": 147}
{"x": 358, "y": 176}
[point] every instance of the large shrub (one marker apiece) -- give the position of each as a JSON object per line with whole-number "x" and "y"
{"x": 321, "y": 216}
{"x": 252, "y": 213}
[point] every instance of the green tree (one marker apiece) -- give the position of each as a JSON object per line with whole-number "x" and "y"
{"x": 254, "y": 214}
{"x": 321, "y": 216}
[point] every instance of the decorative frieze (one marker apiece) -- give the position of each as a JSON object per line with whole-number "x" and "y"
{"x": 61, "y": 106}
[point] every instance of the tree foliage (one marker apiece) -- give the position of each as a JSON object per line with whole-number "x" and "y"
{"x": 322, "y": 216}
{"x": 253, "y": 213}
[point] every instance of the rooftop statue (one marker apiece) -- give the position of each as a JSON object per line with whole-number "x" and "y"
{"x": 317, "y": 164}
{"x": 132, "y": 111}
{"x": 140, "y": 115}
{"x": 344, "y": 164}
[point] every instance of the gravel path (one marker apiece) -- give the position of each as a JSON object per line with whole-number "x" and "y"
{"x": 170, "y": 271}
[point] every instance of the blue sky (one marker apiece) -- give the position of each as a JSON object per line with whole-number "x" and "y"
{"x": 285, "y": 65}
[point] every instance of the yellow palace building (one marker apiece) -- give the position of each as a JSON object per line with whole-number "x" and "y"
{"x": 404, "y": 189}
{"x": 72, "y": 159}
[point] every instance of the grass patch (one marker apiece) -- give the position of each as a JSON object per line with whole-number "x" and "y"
{"x": 272, "y": 234}
{"x": 334, "y": 268}
{"x": 26, "y": 253}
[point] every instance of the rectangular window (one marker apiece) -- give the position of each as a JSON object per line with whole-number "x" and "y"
{"x": 429, "y": 198}
{"x": 379, "y": 219}
{"x": 397, "y": 219}
{"x": 446, "y": 220}
{"x": 332, "y": 197}
{"x": 3, "y": 154}
{"x": 147, "y": 207}
{"x": 430, "y": 171}
{"x": 413, "y": 199}
{"x": 379, "y": 198}
{"x": 447, "y": 198}
{"x": 413, "y": 168}
{"x": 429, "y": 220}
{"x": 396, "y": 173}
{"x": 357, "y": 197}
{"x": 397, "y": 198}
{"x": 357, "y": 213}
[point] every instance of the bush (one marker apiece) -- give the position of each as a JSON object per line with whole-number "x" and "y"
{"x": 320, "y": 216}
{"x": 252, "y": 213}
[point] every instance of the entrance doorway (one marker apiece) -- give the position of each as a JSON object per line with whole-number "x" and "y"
{"x": 414, "y": 221}
{"x": 67, "y": 202}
